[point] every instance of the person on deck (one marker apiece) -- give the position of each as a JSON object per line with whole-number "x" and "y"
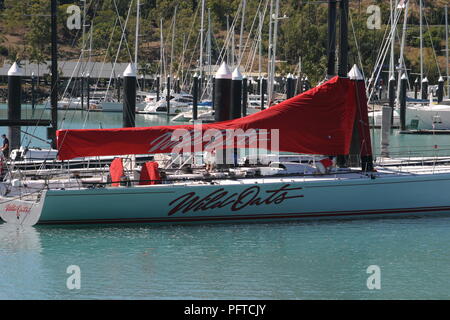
{"x": 210, "y": 160}
{"x": 5, "y": 148}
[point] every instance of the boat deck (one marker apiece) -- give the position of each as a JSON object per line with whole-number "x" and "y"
{"x": 28, "y": 185}
{"x": 226, "y": 179}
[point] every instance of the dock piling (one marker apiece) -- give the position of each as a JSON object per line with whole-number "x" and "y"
{"x": 33, "y": 91}
{"x": 402, "y": 97}
{"x": 425, "y": 89}
{"x": 195, "y": 97}
{"x": 15, "y": 75}
{"x": 129, "y": 96}
{"x": 168, "y": 95}
{"x": 236, "y": 94}
{"x": 222, "y": 101}
{"x": 244, "y": 96}
{"x": 440, "y": 91}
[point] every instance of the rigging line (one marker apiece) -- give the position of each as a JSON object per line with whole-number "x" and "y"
{"x": 432, "y": 46}
{"x": 379, "y": 56}
{"x": 242, "y": 50}
{"x": 107, "y": 49}
{"x": 34, "y": 136}
{"x": 118, "y": 49}
{"x": 126, "y": 22}
{"x": 74, "y": 40}
{"x": 259, "y": 35}
{"x": 90, "y": 54}
{"x": 383, "y": 56}
{"x": 73, "y": 44}
{"x": 21, "y": 196}
{"x": 385, "y": 45}
{"x": 81, "y": 69}
{"x": 191, "y": 59}
{"x": 41, "y": 115}
{"x": 101, "y": 71}
{"x": 173, "y": 40}
{"x": 222, "y": 52}
{"x": 357, "y": 47}
{"x": 250, "y": 33}
{"x": 227, "y": 40}
{"x": 71, "y": 98}
{"x": 181, "y": 66}
{"x": 123, "y": 29}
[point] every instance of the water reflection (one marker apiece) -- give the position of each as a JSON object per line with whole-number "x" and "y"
{"x": 15, "y": 238}
{"x": 22, "y": 275}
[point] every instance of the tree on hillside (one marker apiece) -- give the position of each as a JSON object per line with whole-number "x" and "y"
{"x": 37, "y": 57}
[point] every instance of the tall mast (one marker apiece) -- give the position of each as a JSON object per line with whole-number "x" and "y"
{"x": 90, "y": 42}
{"x": 233, "y": 47}
{"x": 343, "y": 39}
{"x": 421, "y": 42}
{"x": 242, "y": 29}
{"x": 401, "y": 60}
{"x": 83, "y": 36}
{"x": 228, "y": 46}
{"x": 269, "y": 58}
{"x": 331, "y": 48}
{"x": 173, "y": 39}
{"x": 201, "y": 40}
{"x": 137, "y": 35}
{"x": 161, "y": 51}
{"x": 273, "y": 56}
{"x": 54, "y": 68}
{"x": 208, "y": 48}
{"x": 260, "y": 44}
{"x": 446, "y": 50}
{"x": 391, "y": 61}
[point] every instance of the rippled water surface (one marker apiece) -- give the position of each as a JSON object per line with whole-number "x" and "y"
{"x": 318, "y": 260}
{"x": 314, "y": 260}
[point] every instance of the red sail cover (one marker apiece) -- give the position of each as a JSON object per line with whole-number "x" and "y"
{"x": 319, "y": 121}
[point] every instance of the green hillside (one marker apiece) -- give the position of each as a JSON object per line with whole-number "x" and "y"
{"x": 25, "y": 33}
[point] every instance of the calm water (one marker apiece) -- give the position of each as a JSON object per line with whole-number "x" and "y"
{"x": 323, "y": 260}
{"x": 314, "y": 260}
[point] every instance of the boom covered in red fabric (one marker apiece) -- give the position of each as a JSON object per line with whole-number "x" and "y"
{"x": 319, "y": 121}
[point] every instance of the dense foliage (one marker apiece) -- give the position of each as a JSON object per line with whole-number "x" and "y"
{"x": 25, "y": 27}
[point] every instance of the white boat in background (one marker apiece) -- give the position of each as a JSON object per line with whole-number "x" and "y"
{"x": 204, "y": 116}
{"x": 142, "y": 99}
{"x": 114, "y": 106}
{"x": 375, "y": 118}
{"x": 179, "y": 102}
{"x": 428, "y": 117}
{"x": 75, "y": 104}
{"x": 432, "y": 116}
{"x": 31, "y": 154}
{"x": 68, "y": 103}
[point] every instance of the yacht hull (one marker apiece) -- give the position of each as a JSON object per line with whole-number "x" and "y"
{"x": 246, "y": 202}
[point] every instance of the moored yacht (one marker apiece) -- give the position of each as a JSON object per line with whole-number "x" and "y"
{"x": 320, "y": 121}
